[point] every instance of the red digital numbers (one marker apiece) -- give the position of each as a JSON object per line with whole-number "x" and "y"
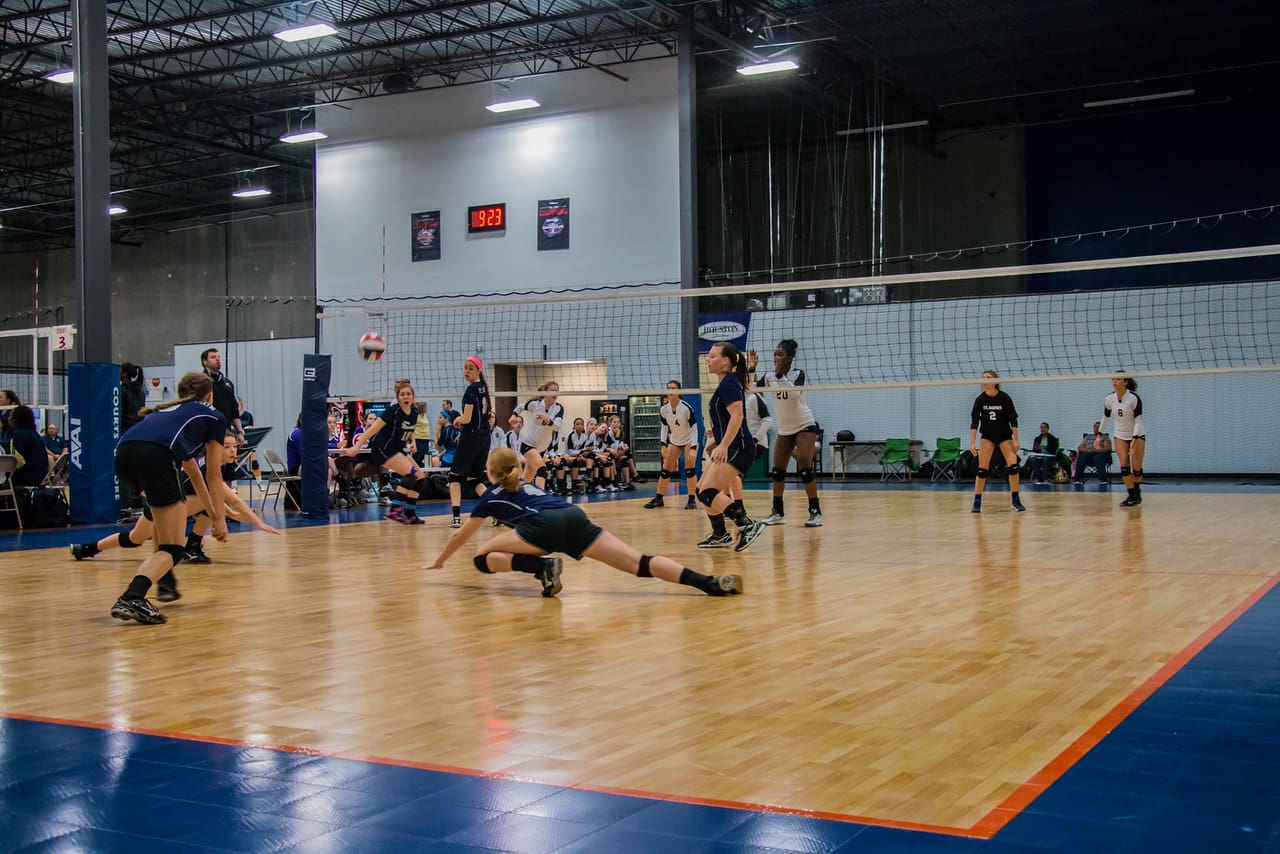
{"x": 487, "y": 218}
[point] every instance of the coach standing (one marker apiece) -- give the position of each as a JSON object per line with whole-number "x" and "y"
{"x": 224, "y": 391}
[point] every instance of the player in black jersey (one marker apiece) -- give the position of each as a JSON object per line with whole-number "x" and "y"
{"x": 996, "y": 418}
{"x": 148, "y": 459}
{"x": 733, "y": 454}
{"x": 547, "y": 523}
{"x": 387, "y": 439}
{"x": 474, "y": 437}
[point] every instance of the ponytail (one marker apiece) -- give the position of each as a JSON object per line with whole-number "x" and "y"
{"x": 504, "y": 469}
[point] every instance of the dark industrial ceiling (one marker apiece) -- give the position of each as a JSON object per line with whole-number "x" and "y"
{"x": 201, "y": 90}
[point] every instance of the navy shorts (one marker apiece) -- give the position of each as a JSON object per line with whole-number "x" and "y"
{"x": 561, "y": 529}
{"x": 149, "y": 468}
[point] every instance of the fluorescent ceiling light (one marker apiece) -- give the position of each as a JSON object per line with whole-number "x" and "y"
{"x": 773, "y": 66}
{"x": 117, "y": 209}
{"x": 1159, "y": 96}
{"x": 251, "y": 192}
{"x": 303, "y": 136}
{"x": 304, "y": 32}
{"x": 874, "y": 128}
{"x": 64, "y": 75}
{"x": 568, "y": 362}
{"x": 512, "y": 106}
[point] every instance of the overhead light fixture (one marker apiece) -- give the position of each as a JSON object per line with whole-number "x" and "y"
{"x": 568, "y": 362}
{"x": 62, "y": 75}
{"x": 251, "y": 192}
{"x": 304, "y": 32}
{"x": 117, "y": 209}
{"x": 1137, "y": 99}
{"x": 772, "y": 66}
{"x": 303, "y": 136}
{"x": 874, "y": 128}
{"x": 512, "y": 106}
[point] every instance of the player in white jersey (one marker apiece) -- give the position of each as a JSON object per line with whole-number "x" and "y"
{"x": 798, "y": 430}
{"x": 1131, "y": 436}
{"x": 542, "y": 418}
{"x": 576, "y": 456}
{"x": 679, "y": 434}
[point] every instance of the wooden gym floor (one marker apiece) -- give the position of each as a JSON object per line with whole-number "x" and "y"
{"x": 907, "y": 665}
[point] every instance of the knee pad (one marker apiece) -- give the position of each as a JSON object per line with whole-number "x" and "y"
{"x": 777, "y": 475}
{"x": 1137, "y": 472}
{"x": 146, "y": 509}
{"x": 201, "y": 512}
{"x": 1125, "y": 471}
{"x": 482, "y": 564}
{"x": 454, "y": 477}
{"x": 126, "y": 543}
{"x": 175, "y": 552}
{"x": 706, "y": 496}
{"x": 420, "y": 485}
{"x": 806, "y": 475}
{"x": 690, "y": 473}
{"x": 982, "y": 473}
{"x": 670, "y": 475}
{"x": 644, "y": 572}
{"x": 541, "y": 472}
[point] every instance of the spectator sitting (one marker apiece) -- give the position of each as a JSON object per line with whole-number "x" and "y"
{"x": 8, "y": 399}
{"x": 447, "y": 435}
{"x": 1045, "y": 443}
{"x": 55, "y": 445}
{"x": 1094, "y": 450}
{"x": 25, "y": 444}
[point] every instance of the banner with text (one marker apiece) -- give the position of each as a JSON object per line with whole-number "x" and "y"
{"x": 728, "y": 326}
{"x": 93, "y": 428}
{"x": 553, "y": 224}
{"x": 426, "y": 236}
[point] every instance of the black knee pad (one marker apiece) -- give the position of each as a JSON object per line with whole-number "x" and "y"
{"x": 1125, "y": 471}
{"x": 644, "y": 572}
{"x": 1137, "y": 472}
{"x": 806, "y": 475}
{"x": 777, "y": 475}
{"x": 482, "y": 564}
{"x": 670, "y": 475}
{"x": 454, "y": 477}
{"x": 201, "y": 513}
{"x": 175, "y": 552}
{"x": 706, "y": 496}
{"x": 690, "y": 473}
{"x": 982, "y": 473}
{"x": 126, "y": 543}
{"x": 541, "y": 472}
{"x": 146, "y": 509}
{"x": 420, "y": 485}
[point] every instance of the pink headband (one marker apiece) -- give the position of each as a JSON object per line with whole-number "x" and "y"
{"x": 475, "y": 360}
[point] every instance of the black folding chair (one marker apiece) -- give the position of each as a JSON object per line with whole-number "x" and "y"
{"x": 253, "y": 437}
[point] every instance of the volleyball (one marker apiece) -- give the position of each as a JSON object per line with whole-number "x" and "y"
{"x": 371, "y": 347}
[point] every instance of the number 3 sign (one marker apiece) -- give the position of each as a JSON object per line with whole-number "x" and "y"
{"x": 64, "y": 337}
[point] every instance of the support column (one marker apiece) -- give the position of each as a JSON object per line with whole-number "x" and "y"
{"x": 92, "y": 110}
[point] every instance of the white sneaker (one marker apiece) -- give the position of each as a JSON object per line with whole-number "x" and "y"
{"x": 814, "y": 520}
{"x": 773, "y": 519}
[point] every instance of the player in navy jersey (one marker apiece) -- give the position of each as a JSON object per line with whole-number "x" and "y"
{"x": 387, "y": 439}
{"x": 1131, "y": 435}
{"x": 996, "y": 418}
{"x": 473, "y": 441}
{"x": 148, "y": 459}
{"x": 733, "y": 454}
{"x": 679, "y": 438}
{"x": 547, "y": 523}
{"x": 798, "y": 430}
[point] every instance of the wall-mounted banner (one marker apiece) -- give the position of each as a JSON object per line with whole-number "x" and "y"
{"x": 730, "y": 326}
{"x": 426, "y": 236}
{"x": 553, "y": 224}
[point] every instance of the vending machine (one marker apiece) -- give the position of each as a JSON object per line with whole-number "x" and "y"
{"x": 646, "y": 433}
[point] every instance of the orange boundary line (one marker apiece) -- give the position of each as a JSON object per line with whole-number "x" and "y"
{"x": 984, "y": 828}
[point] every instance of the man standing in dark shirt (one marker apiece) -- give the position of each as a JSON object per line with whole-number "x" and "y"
{"x": 224, "y": 391}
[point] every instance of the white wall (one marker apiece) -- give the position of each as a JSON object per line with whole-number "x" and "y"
{"x": 610, "y": 146}
{"x": 267, "y": 375}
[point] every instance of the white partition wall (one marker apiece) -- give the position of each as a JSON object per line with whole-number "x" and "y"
{"x": 609, "y": 146}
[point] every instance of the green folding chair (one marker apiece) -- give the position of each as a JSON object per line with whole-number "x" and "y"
{"x": 946, "y": 459}
{"x": 895, "y": 463}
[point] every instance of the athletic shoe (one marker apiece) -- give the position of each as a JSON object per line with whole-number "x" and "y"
{"x": 814, "y": 520}
{"x": 456, "y": 522}
{"x": 774, "y": 519}
{"x": 82, "y": 551}
{"x": 691, "y": 504}
{"x": 628, "y": 487}
{"x": 977, "y": 508}
{"x": 139, "y": 610}
{"x": 196, "y": 555}
{"x": 1131, "y": 501}
{"x": 717, "y": 541}
{"x": 395, "y": 514}
{"x": 726, "y": 585}
{"x": 655, "y": 501}
{"x": 413, "y": 519}
{"x": 1017, "y": 505}
{"x": 640, "y": 479}
{"x": 549, "y": 575}
{"x": 747, "y": 536}
{"x": 167, "y": 592}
